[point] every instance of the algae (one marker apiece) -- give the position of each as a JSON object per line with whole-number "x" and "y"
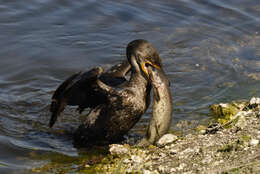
{"x": 88, "y": 162}
{"x": 224, "y": 112}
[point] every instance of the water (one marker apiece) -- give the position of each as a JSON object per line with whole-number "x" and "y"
{"x": 210, "y": 51}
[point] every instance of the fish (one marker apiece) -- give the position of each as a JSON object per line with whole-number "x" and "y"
{"x": 162, "y": 107}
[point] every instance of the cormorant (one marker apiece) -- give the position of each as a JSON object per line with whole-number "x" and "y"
{"x": 116, "y": 104}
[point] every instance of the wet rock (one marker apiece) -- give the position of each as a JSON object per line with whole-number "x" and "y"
{"x": 166, "y": 139}
{"x": 118, "y": 149}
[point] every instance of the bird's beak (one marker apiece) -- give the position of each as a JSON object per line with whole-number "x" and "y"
{"x": 144, "y": 67}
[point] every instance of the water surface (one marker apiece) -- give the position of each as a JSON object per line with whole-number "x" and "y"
{"x": 210, "y": 51}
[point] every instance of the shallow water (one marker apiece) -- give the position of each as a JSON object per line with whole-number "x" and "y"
{"x": 210, "y": 51}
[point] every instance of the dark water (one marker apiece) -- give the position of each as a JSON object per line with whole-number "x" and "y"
{"x": 210, "y": 51}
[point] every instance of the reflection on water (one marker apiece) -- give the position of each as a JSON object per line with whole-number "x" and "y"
{"x": 210, "y": 51}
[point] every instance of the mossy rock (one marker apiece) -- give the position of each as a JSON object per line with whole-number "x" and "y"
{"x": 224, "y": 112}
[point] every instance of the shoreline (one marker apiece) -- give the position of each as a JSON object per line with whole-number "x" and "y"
{"x": 230, "y": 145}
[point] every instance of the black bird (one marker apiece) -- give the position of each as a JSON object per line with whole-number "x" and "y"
{"x": 116, "y": 104}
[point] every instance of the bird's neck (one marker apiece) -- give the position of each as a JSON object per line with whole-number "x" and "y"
{"x": 138, "y": 80}
{"x": 141, "y": 87}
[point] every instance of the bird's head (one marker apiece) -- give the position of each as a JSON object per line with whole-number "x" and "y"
{"x": 141, "y": 54}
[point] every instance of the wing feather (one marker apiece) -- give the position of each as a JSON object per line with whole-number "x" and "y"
{"x": 81, "y": 89}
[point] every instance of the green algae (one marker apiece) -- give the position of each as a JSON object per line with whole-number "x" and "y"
{"x": 223, "y": 113}
{"x": 88, "y": 162}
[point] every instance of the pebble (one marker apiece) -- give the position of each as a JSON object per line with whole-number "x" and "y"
{"x": 181, "y": 166}
{"x": 118, "y": 149}
{"x": 146, "y": 171}
{"x": 254, "y": 142}
{"x": 202, "y": 131}
{"x": 136, "y": 159}
{"x": 255, "y": 101}
{"x": 166, "y": 139}
{"x": 241, "y": 123}
{"x": 173, "y": 151}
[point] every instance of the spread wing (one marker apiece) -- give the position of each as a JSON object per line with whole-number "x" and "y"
{"x": 81, "y": 89}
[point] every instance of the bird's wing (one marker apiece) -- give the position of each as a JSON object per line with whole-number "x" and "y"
{"x": 73, "y": 91}
{"x": 115, "y": 76}
{"x": 82, "y": 90}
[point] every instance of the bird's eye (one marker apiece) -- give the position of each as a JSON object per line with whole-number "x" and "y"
{"x": 147, "y": 64}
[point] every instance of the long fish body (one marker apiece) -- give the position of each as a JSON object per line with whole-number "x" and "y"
{"x": 162, "y": 107}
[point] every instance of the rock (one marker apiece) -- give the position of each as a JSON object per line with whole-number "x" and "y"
{"x": 201, "y": 129}
{"x": 241, "y": 120}
{"x": 254, "y": 101}
{"x": 254, "y": 142}
{"x": 166, "y": 139}
{"x": 118, "y": 149}
{"x": 181, "y": 166}
{"x": 213, "y": 128}
{"x": 162, "y": 169}
{"x": 224, "y": 112}
{"x": 149, "y": 172}
{"x": 136, "y": 159}
{"x": 146, "y": 171}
